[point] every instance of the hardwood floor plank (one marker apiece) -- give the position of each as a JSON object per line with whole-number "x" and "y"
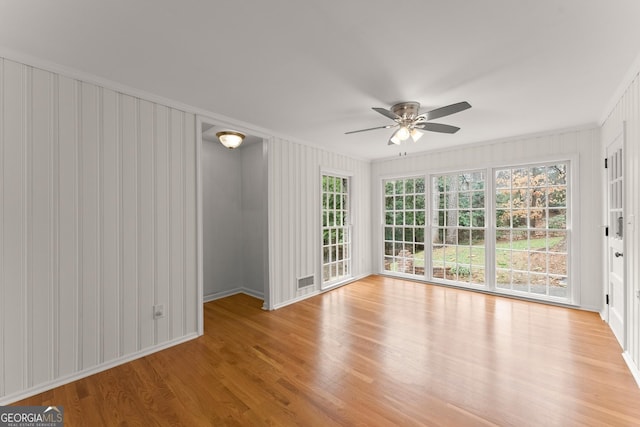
{"x": 377, "y": 352}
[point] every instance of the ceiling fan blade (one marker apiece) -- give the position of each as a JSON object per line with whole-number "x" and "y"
{"x": 386, "y": 113}
{"x": 438, "y": 127}
{"x": 446, "y": 111}
{"x": 365, "y": 130}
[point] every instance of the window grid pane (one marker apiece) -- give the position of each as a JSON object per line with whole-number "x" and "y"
{"x": 531, "y": 209}
{"x": 404, "y": 231}
{"x": 458, "y": 209}
{"x": 336, "y": 236}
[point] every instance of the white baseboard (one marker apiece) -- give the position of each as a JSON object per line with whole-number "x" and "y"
{"x": 294, "y": 300}
{"x": 23, "y": 394}
{"x": 253, "y": 293}
{"x": 632, "y": 367}
{"x": 223, "y": 294}
{"x": 314, "y": 293}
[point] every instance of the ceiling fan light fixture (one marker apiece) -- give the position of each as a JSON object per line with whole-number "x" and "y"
{"x": 395, "y": 140}
{"x": 416, "y": 135}
{"x": 230, "y": 139}
{"x": 412, "y": 124}
{"x": 403, "y": 133}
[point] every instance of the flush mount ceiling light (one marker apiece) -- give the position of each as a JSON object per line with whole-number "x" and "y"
{"x": 230, "y": 139}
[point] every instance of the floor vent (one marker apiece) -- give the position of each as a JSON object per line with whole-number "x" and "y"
{"x": 303, "y": 282}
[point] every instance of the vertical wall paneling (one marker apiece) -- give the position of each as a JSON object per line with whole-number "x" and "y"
{"x": 294, "y": 207}
{"x": 176, "y": 202}
{"x": 146, "y": 133}
{"x": 54, "y": 222}
{"x": 13, "y": 219}
{"x": 40, "y": 236}
{"x": 97, "y": 224}
{"x": 189, "y": 256}
{"x": 89, "y": 196}
{"x": 162, "y": 225}
{"x": 129, "y": 232}
{"x": 2, "y": 275}
{"x": 68, "y": 226}
{"x": 634, "y": 207}
{"x": 110, "y": 227}
{"x": 27, "y": 191}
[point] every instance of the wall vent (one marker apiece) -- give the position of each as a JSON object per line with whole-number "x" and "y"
{"x": 303, "y": 282}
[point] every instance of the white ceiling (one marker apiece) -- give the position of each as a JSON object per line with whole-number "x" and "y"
{"x": 312, "y": 70}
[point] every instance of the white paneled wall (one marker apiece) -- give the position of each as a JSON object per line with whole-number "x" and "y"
{"x": 97, "y": 224}
{"x": 294, "y": 216}
{"x": 583, "y": 145}
{"x": 627, "y": 111}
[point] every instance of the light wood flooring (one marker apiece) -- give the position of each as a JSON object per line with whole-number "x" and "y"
{"x": 378, "y": 352}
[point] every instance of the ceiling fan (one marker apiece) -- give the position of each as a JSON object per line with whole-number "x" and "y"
{"x": 410, "y": 123}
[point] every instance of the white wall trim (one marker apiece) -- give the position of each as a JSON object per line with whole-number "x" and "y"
{"x": 632, "y": 367}
{"x": 8, "y": 399}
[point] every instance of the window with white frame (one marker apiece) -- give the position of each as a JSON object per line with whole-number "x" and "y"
{"x": 505, "y": 229}
{"x": 336, "y": 229}
{"x": 531, "y": 233}
{"x": 458, "y": 227}
{"x": 404, "y": 225}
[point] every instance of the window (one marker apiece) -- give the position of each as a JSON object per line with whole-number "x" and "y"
{"x": 506, "y": 229}
{"x": 531, "y": 233}
{"x": 336, "y": 230}
{"x": 458, "y": 227}
{"x": 404, "y": 228}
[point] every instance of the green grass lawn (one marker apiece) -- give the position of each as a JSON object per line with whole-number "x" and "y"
{"x": 476, "y": 254}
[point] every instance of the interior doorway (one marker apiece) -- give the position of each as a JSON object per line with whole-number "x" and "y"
{"x": 233, "y": 249}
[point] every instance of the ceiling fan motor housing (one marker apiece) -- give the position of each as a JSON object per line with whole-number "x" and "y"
{"x": 406, "y": 110}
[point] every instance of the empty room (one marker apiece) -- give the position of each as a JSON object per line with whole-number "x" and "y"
{"x": 418, "y": 213}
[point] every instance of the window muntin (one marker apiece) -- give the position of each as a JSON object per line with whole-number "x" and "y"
{"x": 506, "y": 229}
{"x": 404, "y": 225}
{"x": 458, "y": 227}
{"x": 531, "y": 233}
{"x": 336, "y": 230}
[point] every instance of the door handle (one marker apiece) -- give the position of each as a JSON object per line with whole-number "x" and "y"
{"x": 618, "y": 254}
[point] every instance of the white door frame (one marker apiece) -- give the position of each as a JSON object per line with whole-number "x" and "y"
{"x": 614, "y": 249}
